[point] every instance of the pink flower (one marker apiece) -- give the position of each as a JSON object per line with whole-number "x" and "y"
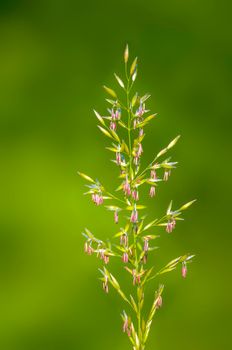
{"x": 170, "y": 225}
{"x": 88, "y": 249}
{"x": 118, "y": 114}
{"x": 153, "y": 175}
{"x": 135, "y": 195}
{"x": 124, "y": 240}
{"x": 104, "y": 256}
{"x": 113, "y": 126}
{"x": 141, "y": 110}
{"x": 116, "y": 216}
{"x": 106, "y": 259}
{"x": 118, "y": 158}
{"x": 184, "y": 270}
{"x": 134, "y": 216}
{"x": 167, "y": 173}
{"x": 125, "y": 325}
{"x": 141, "y": 132}
{"x": 159, "y": 302}
{"x": 126, "y": 188}
{"x": 152, "y": 191}
{"x": 140, "y": 150}
{"x": 97, "y": 198}
{"x": 136, "y": 277}
{"x": 125, "y": 258}
{"x": 146, "y": 245}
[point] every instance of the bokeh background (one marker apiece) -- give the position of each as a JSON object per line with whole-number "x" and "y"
{"x": 54, "y": 58}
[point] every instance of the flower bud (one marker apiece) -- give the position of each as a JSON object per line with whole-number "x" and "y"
{"x": 116, "y": 216}
{"x": 125, "y": 257}
{"x": 184, "y": 270}
{"x": 118, "y": 158}
{"x": 126, "y": 54}
{"x": 167, "y": 173}
{"x": 152, "y": 191}
{"x": 153, "y": 174}
{"x": 134, "y": 216}
{"x": 135, "y": 195}
{"x": 146, "y": 245}
{"x": 170, "y": 225}
{"x": 159, "y": 302}
{"x": 113, "y": 126}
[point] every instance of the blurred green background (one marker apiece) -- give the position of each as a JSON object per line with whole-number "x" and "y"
{"x": 54, "y": 58}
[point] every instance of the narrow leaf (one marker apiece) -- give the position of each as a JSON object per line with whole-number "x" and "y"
{"x": 173, "y": 142}
{"x": 187, "y": 205}
{"x": 101, "y": 120}
{"x": 133, "y": 66}
{"x": 105, "y": 132}
{"x": 119, "y": 80}
{"x": 86, "y": 177}
{"x": 110, "y": 91}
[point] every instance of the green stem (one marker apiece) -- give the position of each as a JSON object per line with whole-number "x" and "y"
{"x": 118, "y": 199}
{"x": 140, "y": 296}
{"x": 136, "y": 262}
{"x": 129, "y": 126}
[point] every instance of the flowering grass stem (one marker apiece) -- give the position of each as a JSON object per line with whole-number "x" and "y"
{"x": 135, "y": 236}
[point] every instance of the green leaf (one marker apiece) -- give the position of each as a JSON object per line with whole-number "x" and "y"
{"x": 105, "y": 132}
{"x": 131, "y": 207}
{"x": 112, "y": 207}
{"x": 148, "y": 273}
{"x": 119, "y": 80}
{"x": 112, "y": 149}
{"x": 169, "y": 269}
{"x": 152, "y": 223}
{"x": 115, "y": 136}
{"x": 112, "y": 102}
{"x": 122, "y": 124}
{"x": 86, "y": 177}
{"x": 110, "y": 91}
{"x": 133, "y": 66}
{"x": 163, "y": 151}
{"x": 169, "y": 208}
{"x": 124, "y": 145}
{"x": 173, "y": 142}
{"x": 133, "y": 303}
{"x": 187, "y": 205}
{"x": 134, "y": 99}
{"x": 144, "y": 98}
{"x": 101, "y": 120}
{"x": 146, "y": 120}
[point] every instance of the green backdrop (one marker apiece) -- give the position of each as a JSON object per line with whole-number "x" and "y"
{"x": 54, "y": 58}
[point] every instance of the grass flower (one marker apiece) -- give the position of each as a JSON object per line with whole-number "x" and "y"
{"x": 124, "y": 128}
